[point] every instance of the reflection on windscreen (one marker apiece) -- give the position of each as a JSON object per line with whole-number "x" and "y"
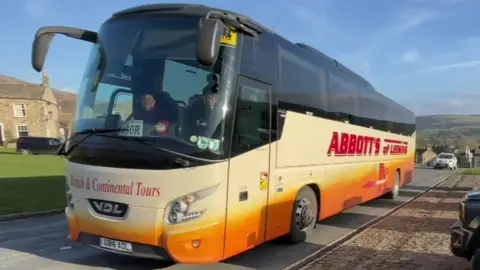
{"x": 151, "y": 84}
{"x": 182, "y": 81}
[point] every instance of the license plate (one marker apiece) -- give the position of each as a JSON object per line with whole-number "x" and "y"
{"x": 115, "y": 245}
{"x": 133, "y": 128}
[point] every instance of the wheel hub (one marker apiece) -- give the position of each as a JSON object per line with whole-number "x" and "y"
{"x": 396, "y": 186}
{"x": 304, "y": 214}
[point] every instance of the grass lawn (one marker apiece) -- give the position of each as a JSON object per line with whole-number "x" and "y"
{"x": 474, "y": 171}
{"x": 30, "y": 183}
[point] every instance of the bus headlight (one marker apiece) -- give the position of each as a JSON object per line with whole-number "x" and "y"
{"x": 69, "y": 197}
{"x": 179, "y": 211}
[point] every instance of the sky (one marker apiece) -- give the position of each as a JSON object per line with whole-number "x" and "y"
{"x": 424, "y": 54}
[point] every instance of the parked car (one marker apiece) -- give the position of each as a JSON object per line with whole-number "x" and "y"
{"x": 446, "y": 160}
{"x": 465, "y": 232}
{"x": 38, "y": 145}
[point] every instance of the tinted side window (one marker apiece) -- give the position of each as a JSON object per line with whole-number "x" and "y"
{"x": 123, "y": 105}
{"x": 26, "y": 139}
{"x": 257, "y": 58}
{"x": 300, "y": 80}
{"x": 343, "y": 95}
{"x": 252, "y": 116}
{"x": 371, "y": 107}
{"x": 53, "y": 142}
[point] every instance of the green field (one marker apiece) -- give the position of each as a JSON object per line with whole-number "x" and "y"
{"x": 474, "y": 171}
{"x": 30, "y": 183}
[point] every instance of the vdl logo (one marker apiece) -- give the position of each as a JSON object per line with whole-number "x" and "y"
{"x": 109, "y": 208}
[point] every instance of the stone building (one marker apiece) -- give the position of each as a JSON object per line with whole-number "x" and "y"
{"x": 28, "y": 110}
{"x": 425, "y": 155}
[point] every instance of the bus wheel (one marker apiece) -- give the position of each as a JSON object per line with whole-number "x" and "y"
{"x": 304, "y": 215}
{"x": 396, "y": 188}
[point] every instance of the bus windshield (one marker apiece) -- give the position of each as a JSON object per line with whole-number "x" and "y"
{"x": 143, "y": 77}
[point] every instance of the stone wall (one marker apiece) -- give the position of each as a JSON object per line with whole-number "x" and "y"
{"x": 428, "y": 157}
{"x": 35, "y": 119}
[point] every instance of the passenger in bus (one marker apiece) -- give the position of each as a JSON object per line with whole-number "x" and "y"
{"x": 212, "y": 84}
{"x": 153, "y": 114}
{"x": 202, "y": 112}
{"x": 202, "y": 107}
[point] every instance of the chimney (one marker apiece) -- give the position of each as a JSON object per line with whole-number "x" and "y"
{"x": 45, "y": 79}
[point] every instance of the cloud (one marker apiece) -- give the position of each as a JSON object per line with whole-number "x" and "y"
{"x": 464, "y": 103}
{"x": 459, "y": 56}
{"x": 410, "y": 17}
{"x": 436, "y": 2}
{"x": 37, "y": 8}
{"x": 411, "y": 56}
{"x": 413, "y": 18}
{"x": 310, "y": 18}
{"x": 463, "y": 64}
{"x": 455, "y": 1}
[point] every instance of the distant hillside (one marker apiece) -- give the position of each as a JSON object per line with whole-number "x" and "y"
{"x": 466, "y": 125}
{"x": 457, "y": 130}
{"x": 66, "y": 100}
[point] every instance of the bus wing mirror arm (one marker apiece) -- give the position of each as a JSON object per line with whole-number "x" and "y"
{"x": 44, "y": 37}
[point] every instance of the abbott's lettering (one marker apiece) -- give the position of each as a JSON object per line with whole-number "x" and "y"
{"x": 347, "y": 144}
{"x": 350, "y": 144}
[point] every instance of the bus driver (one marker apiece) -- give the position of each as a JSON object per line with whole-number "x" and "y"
{"x": 151, "y": 115}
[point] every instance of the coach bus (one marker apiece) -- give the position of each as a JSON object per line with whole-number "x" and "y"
{"x": 200, "y": 134}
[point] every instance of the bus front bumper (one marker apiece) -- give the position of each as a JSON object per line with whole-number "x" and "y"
{"x": 196, "y": 246}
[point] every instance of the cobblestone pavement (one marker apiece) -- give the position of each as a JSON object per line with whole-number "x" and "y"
{"x": 415, "y": 237}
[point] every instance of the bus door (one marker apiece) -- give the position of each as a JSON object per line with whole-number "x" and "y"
{"x": 249, "y": 172}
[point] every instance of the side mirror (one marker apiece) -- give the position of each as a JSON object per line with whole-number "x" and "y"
{"x": 44, "y": 37}
{"x": 208, "y": 42}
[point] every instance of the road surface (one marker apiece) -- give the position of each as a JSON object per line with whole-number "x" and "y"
{"x": 42, "y": 243}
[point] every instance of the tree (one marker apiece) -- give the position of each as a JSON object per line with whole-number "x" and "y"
{"x": 422, "y": 141}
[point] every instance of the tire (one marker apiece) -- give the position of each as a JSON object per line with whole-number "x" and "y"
{"x": 392, "y": 195}
{"x": 25, "y": 152}
{"x": 304, "y": 216}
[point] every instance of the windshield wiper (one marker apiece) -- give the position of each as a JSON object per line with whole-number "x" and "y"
{"x": 89, "y": 132}
{"x": 176, "y": 157}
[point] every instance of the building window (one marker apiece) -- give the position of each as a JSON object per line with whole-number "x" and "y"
{"x": 20, "y": 110}
{"x": 22, "y": 131}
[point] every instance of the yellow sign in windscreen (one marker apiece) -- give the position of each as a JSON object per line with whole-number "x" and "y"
{"x": 229, "y": 38}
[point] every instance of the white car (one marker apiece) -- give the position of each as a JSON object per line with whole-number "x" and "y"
{"x": 446, "y": 160}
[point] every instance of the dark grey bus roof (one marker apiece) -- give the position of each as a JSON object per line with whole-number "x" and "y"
{"x": 202, "y": 10}
{"x": 192, "y": 9}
